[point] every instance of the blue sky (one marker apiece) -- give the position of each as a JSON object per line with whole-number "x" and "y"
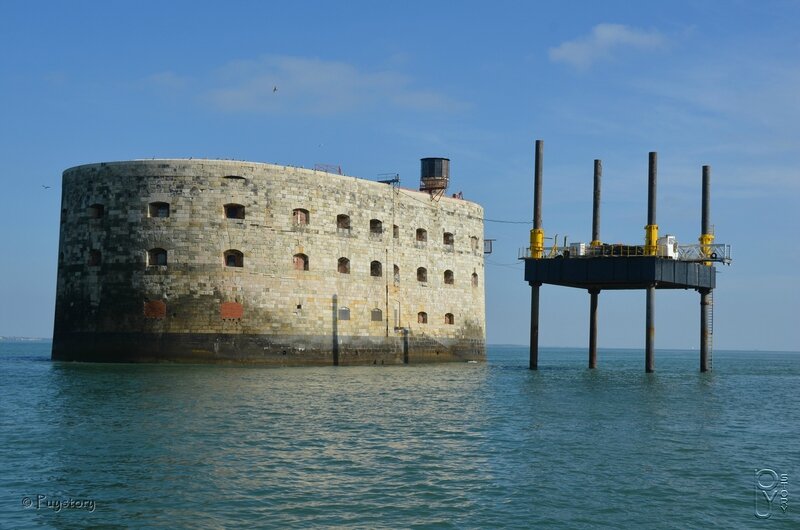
{"x": 374, "y": 86}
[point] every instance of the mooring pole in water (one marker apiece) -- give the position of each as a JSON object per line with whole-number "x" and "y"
{"x": 537, "y": 241}
{"x": 593, "y": 293}
{"x": 534, "y": 354}
{"x": 705, "y": 330}
{"x": 650, "y": 315}
{"x": 651, "y": 236}
{"x": 706, "y": 238}
{"x": 593, "y": 327}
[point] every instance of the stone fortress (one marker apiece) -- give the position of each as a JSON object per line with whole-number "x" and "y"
{"x": 228, "y": 261}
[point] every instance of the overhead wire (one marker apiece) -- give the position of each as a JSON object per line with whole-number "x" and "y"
{"x": 469, "y": 216}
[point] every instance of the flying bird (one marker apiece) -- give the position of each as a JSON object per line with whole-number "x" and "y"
{"x": 274, "y": 88}
{"x": 46, "y": 187}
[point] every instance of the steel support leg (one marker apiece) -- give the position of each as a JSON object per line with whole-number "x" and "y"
{"x": 650, "y": 316}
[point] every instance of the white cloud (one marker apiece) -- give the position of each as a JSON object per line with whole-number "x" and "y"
{"x": 278, "y": 84}
{"x": 602, "y": 43}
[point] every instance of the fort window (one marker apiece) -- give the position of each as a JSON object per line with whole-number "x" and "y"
{"x": 376, "y": 315}
{"x": 96, "y": 211}
{"x": 158, "y": 209}
{"x": 474, "y": 279}
{"x": 448, "y": 240}
{"x": 343, "y": 223}
{"x": 422, "y": 274}
{"x": 422, "y": 317}
{"x": 375, "y": 268}
{"x": 375, "y": 227}
{"x": 396, "y": 274}
{"x": 449, "y": 319}
{"x": 300, "y": 262}
{"x": 343, "y": 266}
{"x": 95, "y": 258}
{"x": 300, "y": 217}
{"x": 344, "y": 313}
{"x": 234, "y": 211}
{"x": 422, "y": 235}
{"x": 448, "y": 277}
{"x": 395, "y": 231}
{"x": 234, "y": 258}
{"x": 156, "y": 256}
{"x": 473, "y": 243}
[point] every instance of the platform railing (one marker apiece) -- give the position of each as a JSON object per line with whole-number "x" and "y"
{"x": 716, "y": 252}
{"x": 720, "y": 253}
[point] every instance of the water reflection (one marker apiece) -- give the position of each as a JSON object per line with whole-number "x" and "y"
{"x": 297, "y": 440}
{"x": 462, "y": 445}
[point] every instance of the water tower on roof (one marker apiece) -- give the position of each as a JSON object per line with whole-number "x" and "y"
{"x": 434, "y": 175}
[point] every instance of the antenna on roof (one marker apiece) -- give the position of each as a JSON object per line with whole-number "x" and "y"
{"x": 393, "y": 178}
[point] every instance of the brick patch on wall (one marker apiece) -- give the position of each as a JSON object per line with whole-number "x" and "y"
{"x": 155, "y": 309}
{"x": 231, "y": 310}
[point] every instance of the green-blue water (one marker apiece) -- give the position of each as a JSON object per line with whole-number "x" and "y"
{"x": 439, "y": 446}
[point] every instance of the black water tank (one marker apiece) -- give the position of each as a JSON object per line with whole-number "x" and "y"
{"x": 434, "y": 174}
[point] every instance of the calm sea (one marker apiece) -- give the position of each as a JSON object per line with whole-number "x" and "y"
{"x": 488, "y": 445}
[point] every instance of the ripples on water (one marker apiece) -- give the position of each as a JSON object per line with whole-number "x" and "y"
{"x": 439, "y": 446}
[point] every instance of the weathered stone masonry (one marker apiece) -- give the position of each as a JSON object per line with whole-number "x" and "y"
{"x": 214, "y": 261}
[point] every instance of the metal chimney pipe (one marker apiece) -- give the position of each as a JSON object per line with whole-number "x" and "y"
{"x": 706, "y": 219}
{"x": 651, "y": 188}
{"x": 651, "y": 230}
{"x": 598, "y": 174}
{"x": 537, "y": 186}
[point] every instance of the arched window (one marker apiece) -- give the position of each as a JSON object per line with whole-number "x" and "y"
{"x": 233, "y": 258}
{"x": 422, "y": 274}
{"x": 448, "y": 239}
{"x": 375, "y": 268}
{"x": 158, "y": 209}
{"x": 234, "y": 211}
{"x": 449, "y": 319}
{"x": 300, "y": 217}
{"x": 422, "y": 317}
{"x": 448, "y": 277}
{"x": 343, "y": 266}
{"x": 300, "y": 262}
{"x": 395, "y": 231}
{"x": 375, "y": 227}
{"x": 96, "y": 211}
{"x": 156, "y": 256}
{"x": 473, "y": 243}
{"x": 422, "y": 235}
{"x": 474, "y": 279}
{"x": 95, "y": 258}
{"x": 343, "y": 223}
{"x": 376, "y": 315}
{"x": 396, "y": 274}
